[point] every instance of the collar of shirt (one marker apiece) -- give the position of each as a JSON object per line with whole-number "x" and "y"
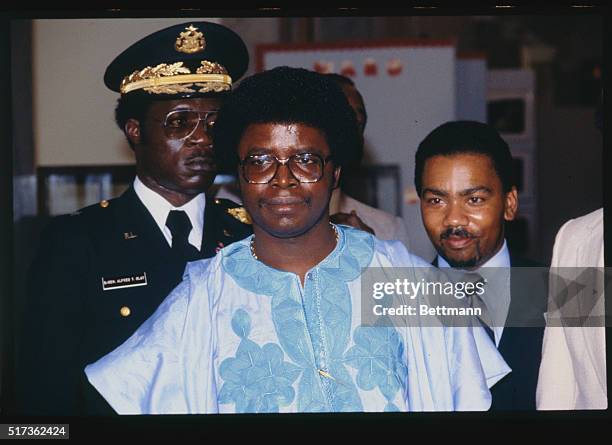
{"x": 159, "y": 208}
{"x": 497, "y": 293}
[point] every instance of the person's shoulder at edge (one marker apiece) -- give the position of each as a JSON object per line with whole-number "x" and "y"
{"x": 574, "y": 233}
{"x": 68, "y": 238}
{"x": 80, "y": 223}
{"x": 349, "y": 203}
{"x": 398, "y": 254}
{"x": 583, "y": 225}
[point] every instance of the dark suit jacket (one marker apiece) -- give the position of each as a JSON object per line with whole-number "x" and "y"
{"x": 71, "y": 320}
{"x": 521, "y": 341}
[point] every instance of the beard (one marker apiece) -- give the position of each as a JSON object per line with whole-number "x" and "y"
{"x": 460, "y": 263}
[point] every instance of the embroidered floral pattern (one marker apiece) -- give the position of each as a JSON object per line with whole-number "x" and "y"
{"x": 313, "y": 326}
{"x": 257, "y": 380}
{"x": 378, "y": 356}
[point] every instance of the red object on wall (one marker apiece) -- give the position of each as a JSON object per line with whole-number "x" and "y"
{"x": 394, "y": 67}
{"x": 323, "y": 67}
{"x": 370, "y": 68}
{"x": 347, "y": 69}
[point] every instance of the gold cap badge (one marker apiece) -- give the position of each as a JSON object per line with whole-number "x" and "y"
{"x": 190, "y": 41}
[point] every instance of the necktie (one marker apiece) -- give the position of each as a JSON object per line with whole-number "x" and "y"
{"x": 180, "y": 226}
{"x": 474, "y": 300}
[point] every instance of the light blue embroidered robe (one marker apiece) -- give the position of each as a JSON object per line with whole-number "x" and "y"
{"x": 238, "y": 336}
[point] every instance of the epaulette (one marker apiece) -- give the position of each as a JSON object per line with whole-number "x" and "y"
{"x": 104, "y": 204}
{"x": 236, "y": 211}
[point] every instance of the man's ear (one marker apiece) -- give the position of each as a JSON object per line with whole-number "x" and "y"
{"x": 132, "y": 131}
{"x": 511, "y": 204}
{"x": 337, "y": 172}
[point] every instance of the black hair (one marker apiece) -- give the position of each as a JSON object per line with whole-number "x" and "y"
{"x": 131, "y": 106}
{"x": 339, "y": 78}
{"x": 287, "y": 95}
{"x": 344, "y": 81}
{"x": 459, "y": 137}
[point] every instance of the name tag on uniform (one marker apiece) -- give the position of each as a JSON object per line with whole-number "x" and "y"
{"x": 113, "y": 283}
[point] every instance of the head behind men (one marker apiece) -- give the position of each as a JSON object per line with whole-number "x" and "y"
{"x": 464, "y": 177}
{"x": 287, "y": 113}
{"x": 172, "y": 84}
{"x": 355, "y": 100}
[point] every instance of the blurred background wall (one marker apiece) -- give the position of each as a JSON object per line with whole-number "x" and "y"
{"x": 64, "y": 114}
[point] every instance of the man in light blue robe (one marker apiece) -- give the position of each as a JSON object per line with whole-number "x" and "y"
{"x": 239, "y": 336}
{"x": 273, "y": 322}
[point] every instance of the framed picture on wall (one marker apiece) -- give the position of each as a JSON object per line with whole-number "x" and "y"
{"x": 510, "y": 105}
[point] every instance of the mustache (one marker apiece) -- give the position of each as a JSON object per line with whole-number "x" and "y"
{"x": 456, "y": 231}
{"x": 203, "y": 154}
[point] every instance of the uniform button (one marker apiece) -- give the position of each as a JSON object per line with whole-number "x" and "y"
{"x": 217, "y": 201}
{"x": 226, "y": 233}
{"x": 104, "y": 203}
{"x": 125, "y": 311}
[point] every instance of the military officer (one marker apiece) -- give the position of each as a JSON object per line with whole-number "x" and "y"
{"x": 102, "y": 271}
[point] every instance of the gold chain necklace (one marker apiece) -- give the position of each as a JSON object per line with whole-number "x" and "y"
{"x": 253, "y": 241}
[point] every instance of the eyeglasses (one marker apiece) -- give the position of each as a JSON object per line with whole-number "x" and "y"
{"x": 305, "y": 167}
{"x": 180, "y": 124}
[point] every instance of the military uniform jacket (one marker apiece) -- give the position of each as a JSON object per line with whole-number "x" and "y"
{"x": 98, "y": 275}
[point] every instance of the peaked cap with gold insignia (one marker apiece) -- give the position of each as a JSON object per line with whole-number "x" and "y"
{"x": 187, "y": 60}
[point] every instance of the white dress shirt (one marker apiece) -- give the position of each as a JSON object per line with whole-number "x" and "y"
{"x": 385, "y": 225}
{"x": 159, "y": 208}
{"x": 497, "y": 290}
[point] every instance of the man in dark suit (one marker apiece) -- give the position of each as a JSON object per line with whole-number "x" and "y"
{"x": 464, "y": 177}
{"x": 103, "y": 270}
